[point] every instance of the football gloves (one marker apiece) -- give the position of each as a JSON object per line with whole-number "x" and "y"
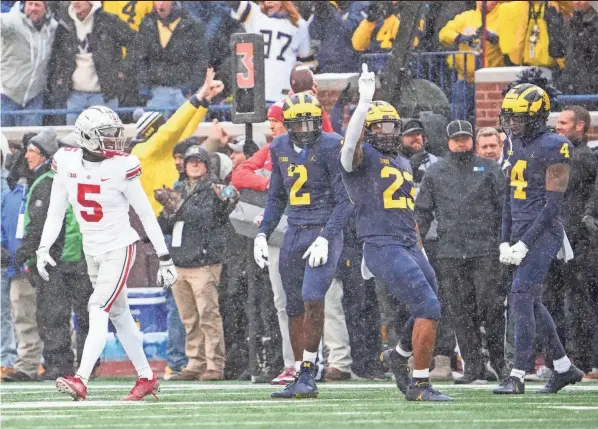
{"x": 505, "y": 253}
{"x": 367, "y": 85}
{"x": 167, "y": 275}
{"x": 518, "y": 252}
{"x": 317, "y": 252}
{"x": 43, "y": 259}
{"x": 260, "y": 250}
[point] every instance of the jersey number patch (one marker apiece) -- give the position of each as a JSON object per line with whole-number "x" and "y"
{"x": 387, "y": 33}
{"x": 400, "y": 178}
{"x": 518, "y": 181}
{"x": 565, "y": 150}
{"x": 95, "y": 212}
{"x": 305, "y": 198}
{"x": 268, "y": 43}
{"x": 129, "y": 10}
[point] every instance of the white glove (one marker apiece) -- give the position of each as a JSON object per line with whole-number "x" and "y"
{"x": 167, "y": 274}
{"x": 43, "y": 259}
{"x": 260, "y": 250}
{"x": 518, "y": 252}
{"x": 505, "y": 253}
{"x": 317, "y": 252}
{"x": 367, "y": 85}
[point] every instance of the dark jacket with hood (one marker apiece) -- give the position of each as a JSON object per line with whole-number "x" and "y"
{"x": 582, "y": 176}
{"x": 205, "y": 219}
{"x": 466, "y": 193}
{"x": 109, "y": 35}
{"x": 38, "y": 203}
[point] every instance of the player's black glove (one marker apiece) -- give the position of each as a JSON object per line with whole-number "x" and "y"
{"x": 419, "y": 159}
{"x": 591, "y": 224}
{"x": 377, "y": 10}
{"x": 467, "y": 39}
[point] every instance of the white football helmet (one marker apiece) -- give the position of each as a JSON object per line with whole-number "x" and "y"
{"x": 100, "y": 131}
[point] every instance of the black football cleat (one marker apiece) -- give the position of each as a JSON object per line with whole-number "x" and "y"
{"x": 559, "y": 380}
{"x": 423, "y": 391}
{"x": 303, "y": 387}
{"x": 510, "y": 386}
{"x": 399, "y": 366}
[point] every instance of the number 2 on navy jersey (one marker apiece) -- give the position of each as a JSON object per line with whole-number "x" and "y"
{"x": 400, "y": 178}
{"x": 268, "y": 43}
{"x": 305, "y": 198}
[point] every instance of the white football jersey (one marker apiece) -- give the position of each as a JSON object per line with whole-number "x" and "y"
{"x": 100, "y": 193}
{"x": 283, "y": 45}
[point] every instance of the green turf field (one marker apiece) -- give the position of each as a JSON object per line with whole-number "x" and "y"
{"x": 341, "y": 405}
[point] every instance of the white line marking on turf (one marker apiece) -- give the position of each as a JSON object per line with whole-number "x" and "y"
{"x": 292, "y": 423}
{"x": 574, "y": 407}
{"x": 323, "y": 386}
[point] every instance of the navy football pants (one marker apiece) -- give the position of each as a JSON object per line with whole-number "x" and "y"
{"x": 408, "y": 275}
{"x": 300, "y": 281}
{"x": 530, "y": 314}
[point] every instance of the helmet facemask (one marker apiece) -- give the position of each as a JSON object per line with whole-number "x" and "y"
{"x": 522, "y": 125}
{"x": 385, "y": 136}
{"x": 304, "y": 131}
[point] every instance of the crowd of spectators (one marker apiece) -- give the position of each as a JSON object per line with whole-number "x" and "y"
{"x": 226, "y": 317}
{"x": 61, "y": 54}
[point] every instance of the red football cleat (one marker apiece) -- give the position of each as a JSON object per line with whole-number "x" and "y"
{"x": 72, "y": 386}
{"x": 142, "y": 388}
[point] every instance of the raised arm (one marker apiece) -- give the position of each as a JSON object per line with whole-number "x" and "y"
{"x": 351, "y": 152}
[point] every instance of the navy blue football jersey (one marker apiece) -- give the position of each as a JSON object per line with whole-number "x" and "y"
{"x": 383, "y": 192}
{"x": 309, "y": 183}
{"x": 527, "y": 172}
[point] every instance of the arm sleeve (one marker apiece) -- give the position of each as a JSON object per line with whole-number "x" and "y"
{"x": 362, "y": 36}
{"x": 591, "y": 208}
{"x": 305, "y": 53}
{"x": 168, "y": 135}
{"x": 326, "y": 124}
{"x": 245, "y": 177}
{"x": 140, "y": 53}
{"x": 344, "y": 208}
{"x": 277, "y": 198}
{"x": 554, "y": 201}
{"x": 451, "y": 30}
{"x": 505, "y": 230}
{"x": 248, "y": 14}
{"x": 425, "y": 205}
{"x": 138, "y": 200}
{"x": 353, "y": 134}
{"x": 59, "y": 203}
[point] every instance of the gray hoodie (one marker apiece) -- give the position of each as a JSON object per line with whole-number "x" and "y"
{"x": 25, "y": 55}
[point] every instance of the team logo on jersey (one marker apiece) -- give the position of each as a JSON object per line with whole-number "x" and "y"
{"x": 313, "y": 158}
{"x": 284, "y": 159}
{"x": 384, "y": 161}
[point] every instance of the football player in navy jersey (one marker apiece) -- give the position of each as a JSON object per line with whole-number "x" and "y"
{"x": 380, "y": 183}
{"x": 306, "y": 178}
{"x": 537, "y": 167}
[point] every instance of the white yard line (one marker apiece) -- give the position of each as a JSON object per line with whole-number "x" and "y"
{"x": 5, "y": 387}
{"x": 293, "y": 423}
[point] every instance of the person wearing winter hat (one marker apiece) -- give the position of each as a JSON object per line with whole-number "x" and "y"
{"x": 242, "y": 149}
{"x": 53, "y": 306}
{"x": 196, "y": 215}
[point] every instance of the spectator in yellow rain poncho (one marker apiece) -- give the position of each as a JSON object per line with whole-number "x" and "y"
{"x": 158, "y": 137}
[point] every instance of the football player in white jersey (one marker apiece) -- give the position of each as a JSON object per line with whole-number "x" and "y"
{"x": 286, "y": 40}
{"x": 100, "y": 181}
